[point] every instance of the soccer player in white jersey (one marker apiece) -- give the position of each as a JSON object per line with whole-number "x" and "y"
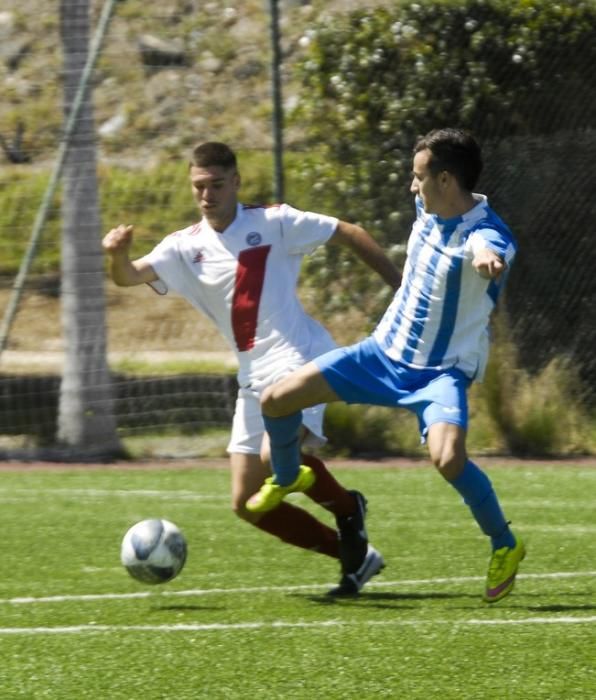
{"x": 239, "y": 265}
{"x": 430, "y": 345}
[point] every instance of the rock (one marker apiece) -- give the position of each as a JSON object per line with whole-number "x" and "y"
{"x": 112, "y": 126}
{"x": 249, "y": 69}
{"x": 7, "y": 23}
{"x": 158, "y": 53}
{"x": 208, "y": 63}
{"x": 13, "y": 51}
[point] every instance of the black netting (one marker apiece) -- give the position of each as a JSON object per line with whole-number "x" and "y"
{"x": 544, "y": 188}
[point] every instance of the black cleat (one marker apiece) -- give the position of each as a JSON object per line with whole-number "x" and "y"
{"x": 353, "y": 540}
{"x": 351, "y": 584}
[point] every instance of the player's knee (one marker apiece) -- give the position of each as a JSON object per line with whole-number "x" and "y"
{"x": 448, "y": 460}
{"x": 448, "y": 467}
{"x": 267, "y": 400}
{"x": 272, "y": 402}
{"x": 447, "y": 449}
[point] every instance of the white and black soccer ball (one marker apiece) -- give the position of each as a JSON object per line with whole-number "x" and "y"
{"x": 153, "y": 551}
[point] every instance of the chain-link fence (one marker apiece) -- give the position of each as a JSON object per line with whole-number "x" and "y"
{"x": 171, "y": 76}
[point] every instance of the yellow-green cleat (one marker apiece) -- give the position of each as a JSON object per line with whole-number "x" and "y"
{"x": 502, "y": 571}
{"x": 270, "y": 495}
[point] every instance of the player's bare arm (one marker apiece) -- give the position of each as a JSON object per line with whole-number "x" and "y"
{"x": 124, "y": 271}
{"x": 368, "y": 250}
{"x": 489, "y": 264}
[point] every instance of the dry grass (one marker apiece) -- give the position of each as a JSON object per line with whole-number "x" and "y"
{"x": 141, "y": 326}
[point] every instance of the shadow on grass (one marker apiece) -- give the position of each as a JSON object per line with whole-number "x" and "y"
{"x": 184, "y": 608}
{"x": 554, "y": 608}
{"x": 372, "y": 597}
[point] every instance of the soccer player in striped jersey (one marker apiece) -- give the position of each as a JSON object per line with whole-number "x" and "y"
{"x": 239, "y": 265}
{"x": 431, "y": 343}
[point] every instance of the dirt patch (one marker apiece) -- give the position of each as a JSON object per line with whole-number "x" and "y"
{"x": 136, "y": 318}
{"x": 140, "y": 325}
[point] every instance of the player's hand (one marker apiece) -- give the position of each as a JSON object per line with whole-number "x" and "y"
{"x": 488, "y": 264}
{"x": 118, "y": 240}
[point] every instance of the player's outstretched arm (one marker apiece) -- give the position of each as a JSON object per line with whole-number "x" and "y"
{"x": 368, "y": 250}
{"x": 124, "y": 271}
{"x": 489, "y": 264}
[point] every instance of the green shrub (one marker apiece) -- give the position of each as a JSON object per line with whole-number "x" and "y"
{"x": 20, "y": 196}
{"x": 540, "y": 414}
{"x": 377, "y": 78}
{"x": 156, "y": 200}
{"x": 512, "y": 411}
{"x": 372, "y": 431}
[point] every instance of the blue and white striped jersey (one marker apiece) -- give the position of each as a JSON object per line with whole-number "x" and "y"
{"x": 439, "y": 316}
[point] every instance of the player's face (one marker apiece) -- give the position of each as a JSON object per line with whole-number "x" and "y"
{"x": 215, "y": 190}
{"x": 426, "y": 185}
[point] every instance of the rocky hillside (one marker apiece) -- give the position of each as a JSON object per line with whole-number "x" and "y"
{"x": 170, "y": 74}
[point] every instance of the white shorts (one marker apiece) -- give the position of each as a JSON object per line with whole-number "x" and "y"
{"x": 248, "y": 428}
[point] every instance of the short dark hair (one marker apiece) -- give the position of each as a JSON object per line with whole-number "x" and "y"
{"x": 455, "y": 151}
{"x": 213, "y": 153}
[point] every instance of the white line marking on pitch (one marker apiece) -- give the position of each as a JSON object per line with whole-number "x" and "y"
{"x": 26, "y": 600}
{"x": 562, "y": 529}
{"x": 79, "y": 629}
{"x": 109, "y": 493}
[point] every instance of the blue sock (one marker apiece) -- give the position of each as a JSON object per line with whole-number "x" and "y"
{"x": 479, "y": 496}
{"x": 284, "y": 435}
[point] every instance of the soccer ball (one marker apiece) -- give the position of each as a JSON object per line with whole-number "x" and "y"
{"x": 153, "y": 551}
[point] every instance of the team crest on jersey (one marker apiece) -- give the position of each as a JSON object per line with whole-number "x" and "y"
{"x": 254, "y": 238}
{"x": 199, "y": 257}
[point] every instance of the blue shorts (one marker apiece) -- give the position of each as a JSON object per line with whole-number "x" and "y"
{"x": 363, "y": 373}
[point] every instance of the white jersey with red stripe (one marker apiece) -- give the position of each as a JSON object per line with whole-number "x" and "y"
{"x": 245, "y": 279}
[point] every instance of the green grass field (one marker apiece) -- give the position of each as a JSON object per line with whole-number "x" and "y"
{"x": 247, "y": 617}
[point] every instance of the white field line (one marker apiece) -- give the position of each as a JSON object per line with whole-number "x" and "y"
{"x": 109, "y": 493}
{"x": 563, "y": 529}
{"x": 280, "y": 624}
{"x": 12, "y": 495}
{"x": 275, "y": 589}
{"x": 196, "y": 627}
{"x": 15, "y": 495}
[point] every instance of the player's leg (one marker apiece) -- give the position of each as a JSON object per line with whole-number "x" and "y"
{"x": 307, "y": 389}
{"x": 293, "y": 525}
{"x": 348, "y": 507}
{"x": 447, "y": 448}
{"x": 444, "y": 421}
{"x": 297, "y": 527}
{"x": 446, "y": 445}
{"x": 355, "y": 374}
{"x": 289, "y": 523}
{"x": 326, "y": 490}
{"x": 282, "y": 405}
